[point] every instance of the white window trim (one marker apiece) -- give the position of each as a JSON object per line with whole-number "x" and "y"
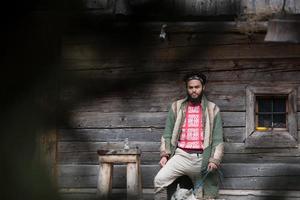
{"x": 275, "y": 139}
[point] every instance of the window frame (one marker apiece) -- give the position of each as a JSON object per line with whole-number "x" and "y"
{"x": 275, "y": 138}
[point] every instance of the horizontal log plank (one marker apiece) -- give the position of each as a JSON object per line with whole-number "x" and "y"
{"x": 201, "y": 52}
{"x": 133, "y": 134}
{"x": 177, "y": 27}
{"x": 150, "y": 191}
{"x": 230, "y": 148}
{"x": 260, "y": 169}
{"x": 149, "y": 39}
{"x": 261, "y": 193}
{"x": 152, "y": 157}
{"x": 188, "y": 8}
{"x": 279, "y": 183}
{"x": 94, "y": 146}
{"x": 161, "y": 104}
{"x": 111, "y": 135}
{"x": 234, "y": 135}
{"x": 261, "y": 176}
{"x": 90, "y": 193}
{"x": 239, "y": 148}
{"x": 156, "y": 98}
{"x": 145, "y": 65}
{"x": 117, "y": 120}
{"x": 141, "y": 84}
{"x": 261, "y": 158}
{"x": 284, "y": 195}
{"x": 228, "y": 96}
{"x": 241, "y": 169}
{"x": 138, "y": 119}
{"x": 147, "y": 157}
{"x": 166, "y": 81}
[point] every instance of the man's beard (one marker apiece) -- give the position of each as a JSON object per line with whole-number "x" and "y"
{"x": 195, "y": 100}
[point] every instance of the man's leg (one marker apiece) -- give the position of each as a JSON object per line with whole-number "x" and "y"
{"x": 194, "y": 173}
{"x": 174, "y": 168}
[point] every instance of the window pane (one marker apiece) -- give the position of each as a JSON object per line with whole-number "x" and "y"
{"x": 279, "y": 120}
{"x": 265, "y": 120}
{"x": 264, "y": 104}
{"x": 279, "y": 104}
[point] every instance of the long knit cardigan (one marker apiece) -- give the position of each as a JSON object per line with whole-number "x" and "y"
{"x": 213, "y": 139}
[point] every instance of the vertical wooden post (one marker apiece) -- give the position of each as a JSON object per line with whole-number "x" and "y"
{"x": 140, "y": 189}
{"x": 132, "y": 181}
{"x": 105, "y": 180}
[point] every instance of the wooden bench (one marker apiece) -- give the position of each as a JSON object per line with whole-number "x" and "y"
{"x": 107, "y": 158}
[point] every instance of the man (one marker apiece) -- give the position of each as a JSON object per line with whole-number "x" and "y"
{"x": 192, "y": 143}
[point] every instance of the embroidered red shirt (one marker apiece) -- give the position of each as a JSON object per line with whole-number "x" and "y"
{"x": 191, "y": 136}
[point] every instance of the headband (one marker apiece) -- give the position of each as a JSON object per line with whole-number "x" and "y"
{"x": 200, "y": 77}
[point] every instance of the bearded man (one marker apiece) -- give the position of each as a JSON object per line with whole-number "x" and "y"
{"x": 192, "y": 142}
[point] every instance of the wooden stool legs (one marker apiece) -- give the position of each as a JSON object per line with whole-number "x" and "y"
{"x": 134, "y": 183}
{"x": 105, "y": 182}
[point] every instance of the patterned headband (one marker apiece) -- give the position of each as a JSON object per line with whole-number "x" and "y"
{"x": 195, "y": 77}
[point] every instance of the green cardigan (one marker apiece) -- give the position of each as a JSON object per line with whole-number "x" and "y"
{"x": 213, "y": 138}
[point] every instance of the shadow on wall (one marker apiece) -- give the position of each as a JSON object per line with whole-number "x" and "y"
{"x": 27, "y": 78}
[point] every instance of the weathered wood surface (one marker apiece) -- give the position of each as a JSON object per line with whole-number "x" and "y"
{"x": 104, "y": 185}
{"x": 189, "y": 7}
{"x": 47, "y": 151}
{"x": 113, "y": 135}
{"x": 85, "y": 152}
{"x": 141, "y": 120}
{"x": 252, "y": 75}
{"x": 238, "y": 148}
{"x": 115, "y": 67}
{"x": 203, "y": 52}
{"x": 157, "y": 97}
{"x": 133, "y": 179}
{"x": 89, "y": 194}
{"x": 138, "y": 119}
{"x": 244, "y": 176}
{"x": 284, "y": 195}
{"x": 127, "y": 42}
{"x": 182, "y": 34}
{"x": 229, "y": 96}
{"x": 152, "y": 157}
{"x": 133, "y": 134}
{"x": 117, "y": 159}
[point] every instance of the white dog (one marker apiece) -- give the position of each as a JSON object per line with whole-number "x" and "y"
{"x": 183, "y": 194}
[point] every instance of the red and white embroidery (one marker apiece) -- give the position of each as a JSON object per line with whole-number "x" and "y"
{"x": 192, "y": 130}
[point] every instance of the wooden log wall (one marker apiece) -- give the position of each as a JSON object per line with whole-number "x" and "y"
{"x": 118, "y": 82}
{"x": 186, "y": 7}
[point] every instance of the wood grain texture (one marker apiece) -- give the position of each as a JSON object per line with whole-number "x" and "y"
{"x": 104, "y": 185}
{"x": 263, "y": 175}
{"x": 153, "y": 157}
{"x": 138, "y": 119}
{"x": 113, "y": 135}
{"x": 203, "y": 52}
{"x": 194, "y": 7}
{"x": 89, "y": 194}
{"x": 134, "y": 134}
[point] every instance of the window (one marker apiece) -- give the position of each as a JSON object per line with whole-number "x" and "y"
{"x": 271, "y": 112}
{"x": 271, "y": 117}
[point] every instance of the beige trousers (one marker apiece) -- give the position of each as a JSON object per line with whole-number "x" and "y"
{"x": 182, "y": 163}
